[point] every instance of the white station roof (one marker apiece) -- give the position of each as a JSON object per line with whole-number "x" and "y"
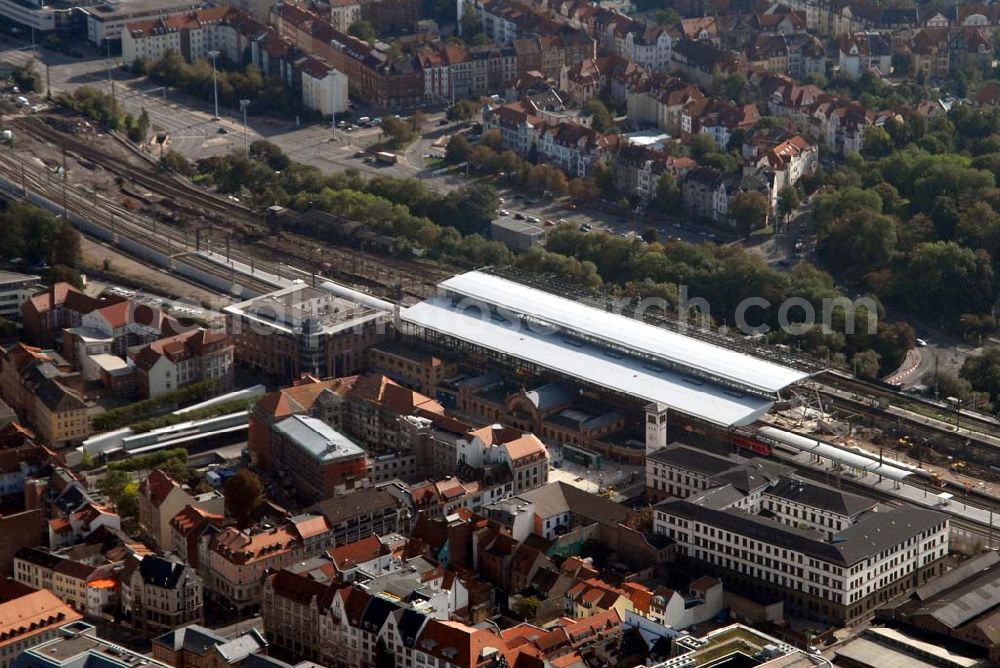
{"x": 701, "y": 399}
{"x": 627, "y": 333}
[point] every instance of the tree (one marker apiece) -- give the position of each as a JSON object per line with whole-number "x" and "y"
{"x": 66, "y": 250}
{"x": 462, "y": 111}
{"x": 668, "y": 194}
{"x": 584, "y": 189}
{"x": 471, "y": 22}
{"x": 526, "y": 607}
{"x": 417, "y": 121}
{"x": 602, "y": 120}
{"x": 700, "y": 145}
{"x": 983, "y": 372}
{"x": 397, "y": 131}
{"x": 363, "y": 29}
{"x": 457, "y": 150}
{"x": 243, "y": 493}
{"x": 866, "y": 364}
{"x": 749, "y": 210}
{"x": 788, "y": 201}
{"x": 26, "y": 77}
{"x": 949, "y": 385}
{"x": 857, "y": 243}
{"x": 945, "y": 280}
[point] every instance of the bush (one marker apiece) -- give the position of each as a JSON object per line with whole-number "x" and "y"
{"x": 141, "y": 410}
{"x": 148, "y": 461}
{"x": 200, "y": 414}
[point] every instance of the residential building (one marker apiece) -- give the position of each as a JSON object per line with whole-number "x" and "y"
{"x": 89, "y": 589}
{"x": 161, "y": 593}
{"x": 174, "y": 362}
{"x": 302, "y": 329}
{"x": 718, "y": 118}
{"x": 865, "y": 52}
{"x": 75, "y": 524}
{"x": 701, "y": 60}
{"x": 522, "y": 453}
{"x": 61, "y": 416}
{"x": 234, "y": 561}
{"x": 363, "y": 512}
{"x": 372, "y": 77}
{"x": 557, "y": 508}
{"x": 574, "y": 148}
{"x": 15, "y": 289}
{"x": 320, "y": 86}
{"x": 161, "y": 498}
{"x": 708, "y": 192}
{"x": 45, "y": 315}
{"x": 186, "y": 529}
{"x": 109, "y": 21}
{"x": 192, "y": 35}
{"x": 29, "y": 617}
{"x": 343, "y": 13}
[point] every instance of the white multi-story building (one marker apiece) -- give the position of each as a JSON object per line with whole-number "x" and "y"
{"x": 324, "y": 89}
{"x": 172, "y": 362}
{"x": 192, "y": 34}
{"x": 835, "y": 576}
{"x": 15, "y": 289}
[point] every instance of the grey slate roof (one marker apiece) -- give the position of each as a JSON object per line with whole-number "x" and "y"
{"x": 821, "y": 497}
{"x": 874, "y": 533}
{"x": 692, "y": 459}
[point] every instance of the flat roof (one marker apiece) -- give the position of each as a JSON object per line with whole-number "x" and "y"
{"x": 10, "y": 277}
{"x": 300, "y": 307}
{"x": 320, "y": 440}
{"x": 575, "y": 317}
{"x": 588, "y": 363}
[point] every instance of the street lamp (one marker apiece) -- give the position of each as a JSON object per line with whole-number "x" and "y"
{"x": 215, "y": 87}
{"x": 243, "y": 107}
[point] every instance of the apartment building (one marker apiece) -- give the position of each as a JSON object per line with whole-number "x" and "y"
{"x": 174, "y": 362}
{"x": 191, "y": 34}
{"x": 161, "y": 498}
{"x": 29, "y": 617}
{"x": 186, "y": 530}
{"x": 89, "y": 589}
{"x": 372, "y": 76}
{"x": 161, "y": 593}
{"x": 48, "y": 312}
{"x": 367, "y": 511}
{"x": 234, "y": 562}
{"x": 525, "y": 456}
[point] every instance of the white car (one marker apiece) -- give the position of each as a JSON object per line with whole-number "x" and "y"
{"x": 921, "y": 343}
{"x": 504, "y": 212}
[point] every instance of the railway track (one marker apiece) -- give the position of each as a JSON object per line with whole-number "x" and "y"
{"x": 927, "y": 408}
{"x": 390, "y": 277}
{"x": 146, "y": 175}
{"x": 118, "y": 220}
